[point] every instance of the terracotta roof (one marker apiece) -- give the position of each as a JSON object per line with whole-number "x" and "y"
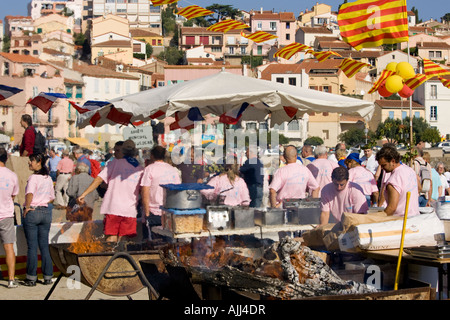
{"x": 443, "y": 45}
{"x": 17, "y": 17}
{"x": 287, "y": 16}
{"x": 351, "y": 118}
{"x": 200, "y": 60}
{"x": 268, "y": 15}
{"x": 333, "y": 44}
{"x": 202, "y": 67}
{"x": 139, "y": 32}
{"x": 100, "y": 72}
{"x": 420, "y": 29}
{"x": 21, "y": 58}
{"x": 315, "y": 30}
{"x": 278, "y": 68}
{"x": 114, "y": 43}
{"x": 55, "y": 52}
{"x": 197, "y": 30}
{"x": 410, "y": 13}
{"x": 72, "y": 81}
{"x": 397, "y": 104}
{"x": 6, "y": 103}
{"x": 359, "y": 54}
{"x": 313, "y": 64}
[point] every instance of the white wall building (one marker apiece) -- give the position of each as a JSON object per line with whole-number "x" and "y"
{"x": 103, "y": 84}
{"x": 436, "y": 99}
{"x": 39, "y": 8}
{"x": 140, "y": 13}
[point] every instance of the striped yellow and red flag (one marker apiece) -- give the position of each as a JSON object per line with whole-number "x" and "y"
{"x": 383, "y": 76}
{"x": 416, "y": 81}
{"x": 161, "y": 2}
{"x": 259, "y": 36}
{"x": 445, "y": 82}
{"x": 194, "y": 11}
{"x": 227, "y": 25}
{"x": 433, "y": 69}
{"x": 323, "y": 55}
{"x": 351, "y": 67}
{"x": 372, "y": 23}
{"x": 288, "y": 51}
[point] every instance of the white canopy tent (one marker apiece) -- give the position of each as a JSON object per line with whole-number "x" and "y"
{"x": 225, "y": 92}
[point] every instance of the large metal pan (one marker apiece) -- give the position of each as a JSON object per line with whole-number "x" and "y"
{"x": 121, "y": 278}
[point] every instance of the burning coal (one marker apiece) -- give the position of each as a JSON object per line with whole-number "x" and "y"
{"x": 283, "y": 270}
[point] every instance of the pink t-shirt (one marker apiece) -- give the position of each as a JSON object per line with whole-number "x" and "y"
{"x": 321, "y": 169}
{"x": 42, "y": 189}
{"x": 65, "y": 165}
{"x": 122, "y": 195}
{"x": 364, "y": 178}
{"x": 292, "y": 181}
{"x": 351, "y": 199}
{"x": 237, "y": 195}
{"x": 9, "y": 186}
{"x": 404, "y": 179}
{"x": 154, "y": 175}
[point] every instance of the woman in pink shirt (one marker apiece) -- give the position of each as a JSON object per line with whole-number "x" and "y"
{"x": 362, "y": 177}
{"x": 229, "y": 185}
{"x": 37, "y": 219}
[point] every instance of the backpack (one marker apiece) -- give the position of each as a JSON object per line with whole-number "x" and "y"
{"x": 425, "y": 176}
{"x": 39, "y": 143}
{"x": 95, "y": 168}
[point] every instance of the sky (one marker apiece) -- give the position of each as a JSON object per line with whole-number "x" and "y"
{"x": 427, "y": 8}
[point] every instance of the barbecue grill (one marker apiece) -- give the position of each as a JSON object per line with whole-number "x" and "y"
{"x": 114, "y": 271}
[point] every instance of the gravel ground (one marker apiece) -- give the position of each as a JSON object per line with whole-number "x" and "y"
{"x": 63, "y": 291}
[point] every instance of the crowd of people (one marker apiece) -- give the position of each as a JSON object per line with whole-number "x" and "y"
{"x": 131, "y": 188}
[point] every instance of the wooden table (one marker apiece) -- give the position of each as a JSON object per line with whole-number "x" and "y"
{"x": 392, "y": 255}
{"x": 241, "y": 231}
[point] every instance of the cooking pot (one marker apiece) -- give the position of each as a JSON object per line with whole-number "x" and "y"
{"x": 184, "y": 195}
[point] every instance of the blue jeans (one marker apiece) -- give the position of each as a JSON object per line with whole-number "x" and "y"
{"x": 52, "y": 175}
{"x": 369, "y": 200}
{"x": 256, "y": 195}
{"x": 422, "y": 201}
{"x": 36, "y": 226}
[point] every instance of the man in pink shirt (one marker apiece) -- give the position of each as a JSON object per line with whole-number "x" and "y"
{"x": 9, "y": 188}
{"x": 402, "y": 180}
{"x": 291, "y": 181}
{"x": 156, "y": 174}
{"x": 123, "y": 177}
{"x": 339, "y": 196}
{"x": 321, "y": 168}
{"x": 64, "y": 170}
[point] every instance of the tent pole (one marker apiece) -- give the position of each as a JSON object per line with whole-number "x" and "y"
{"x": 410, "y": 115}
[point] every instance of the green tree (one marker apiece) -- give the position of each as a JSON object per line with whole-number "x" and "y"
{"x": 353, "y": 136}
{"x": 446, "y": 18}
{"x": 6, "y": 44}
{"x": 313, "y": 141}
{"x": 172, "y": 56}
{"x": 431, "y": 135}
{"x": 148, "y": 49}
{"x": 168, "y": 19}
{"x": 416, "y": 13}
{"x": 222, "y": 11}
{"x": 391, "y": 130}
{"x": 398, "y": 131}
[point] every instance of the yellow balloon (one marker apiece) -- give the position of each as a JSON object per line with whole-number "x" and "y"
{"x": 392, "y": 66}
{"x": 394, "y": 83}
{"x": 405, "y": 70}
